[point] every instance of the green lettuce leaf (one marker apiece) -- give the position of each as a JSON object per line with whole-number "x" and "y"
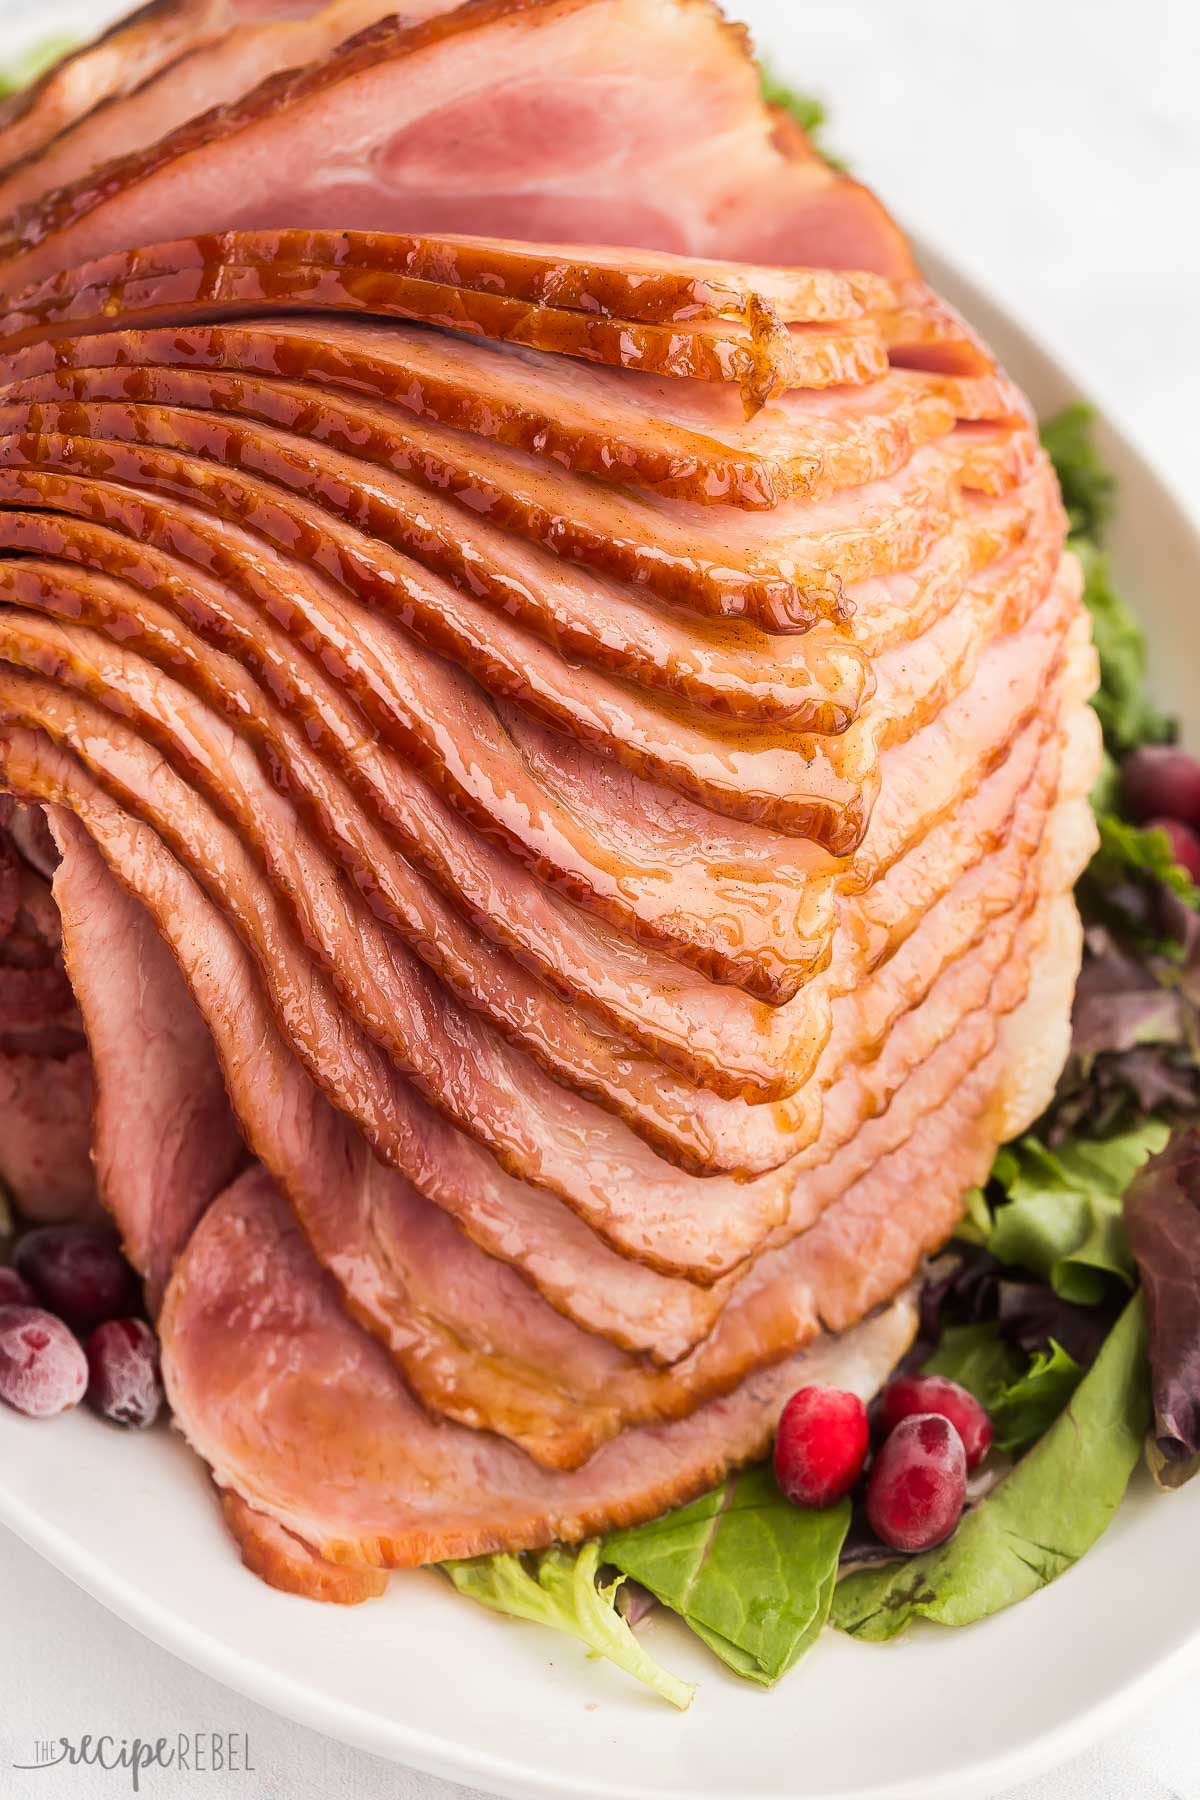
{"x": 1127, "y": 714}
{"x": 1128, "y": 850}
{"x": 559, "y": 1588}
{"x": 1061, "y": 1218}
{"x": 34, "y": 63}
{"x": 977, "y": 1357}
{"x": 751, "y": 1574}
{"x": 975, "y": 1226}
{"x": 1025, "y": 1408}
{"x": 1088, "y": 488}
{"x": 1040, "y": 1519}
{"x": 1024, "y": 1395}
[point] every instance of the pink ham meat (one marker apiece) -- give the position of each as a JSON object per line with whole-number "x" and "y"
{"x": 284, "y": 1561}
{"x": 170, "y": 63}
{"x": 46, "y": 1134}
{"x": 685, "y": 440}
{"x": 569, "y": 748}
{"x": 431, "y": 120}
{"x": 177, "y": 911}
{"x": 46, "y": 1079}
{"x": 298, "y": 1412}
{"x": 650, "y": 287}
{"x": 395, "y": 983}
{"x": 523, "y": 1372}
{"x": 164, "y": 1139}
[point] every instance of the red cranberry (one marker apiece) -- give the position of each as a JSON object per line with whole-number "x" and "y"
{"x": 1185, "y": 844}
{"x": 43, "y": 1371}
{"x": 918, "y": 1483}
{"x": 78, "y": 1272}
{"x": 820, "y": 1446}
{"x": 125, "y": 1385}
{"x": 1160, "y": 782}
{"x": 935, "y": 1394}
{"x": 14, "y": 1291}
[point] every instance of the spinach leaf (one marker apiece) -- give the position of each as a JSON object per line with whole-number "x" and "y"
{"x": 1040, "y": 1519}
{"x": 1062, "y": 1215}
{"x": 750, "y": 1573}
{"x": 559, "y": 1589}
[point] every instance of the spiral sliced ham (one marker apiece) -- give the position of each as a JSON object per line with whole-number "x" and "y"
{"x": 551, "y": 666}
{"x": 130, "y": 52}
{"x": 424, "y": 125}
{"x": 176, "y": 59}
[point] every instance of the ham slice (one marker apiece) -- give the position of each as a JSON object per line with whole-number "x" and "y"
{"x": 46, "y": 1080}
{"x": 184, "y": 909}
{"x": 430, "y": 121}
{"x": 618, "y": 282}
{"x": 880, "y": 928}
{"x": 130, "y": 52}
{"x": 46, "y": 1134}
{"x": 171, "y": 62}
{"x": 112, "y": 674}
{"x": 284, "y": 1561}
{"x": 360, "y": 1217}
{"x": 301, "y": 1414}
{"x": 163, "y": 1137}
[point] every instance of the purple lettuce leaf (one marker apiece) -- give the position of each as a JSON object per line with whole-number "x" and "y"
{"x": 1162, "y": 1218}
{"x": 1135, "y": 1049}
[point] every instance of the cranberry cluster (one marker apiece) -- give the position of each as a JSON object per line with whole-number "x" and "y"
{"x": 1161, "y": 787}
{"x": 67, "y": 1329}
{"x": 932, "y": 1433}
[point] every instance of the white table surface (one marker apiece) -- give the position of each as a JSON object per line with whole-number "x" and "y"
{"x": 1052, "y": 147}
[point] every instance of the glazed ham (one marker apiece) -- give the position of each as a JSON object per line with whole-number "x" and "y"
{"x": 424, "y": 125}
{"x": 223, "y": 48}
{"x": 128, "y": 54}
{"x": 561, "y": 703}
{"x": 46, "y": 1080}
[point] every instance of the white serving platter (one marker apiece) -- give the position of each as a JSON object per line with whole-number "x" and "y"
{"x": 430, "y": 1680}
